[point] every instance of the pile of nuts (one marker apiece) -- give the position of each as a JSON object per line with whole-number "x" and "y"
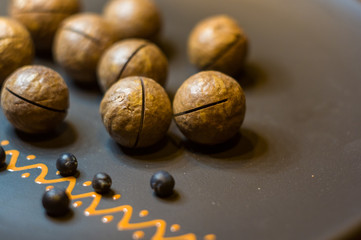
{"x": 116, "y": 51}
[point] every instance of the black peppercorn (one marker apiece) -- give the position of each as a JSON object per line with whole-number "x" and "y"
{"x": 2, "y": 156}
{"x": 162, "y": 183}
{"x": 56, "y": 202}
{"x": 101, "y": 183}
{"x": 67, "y": 164}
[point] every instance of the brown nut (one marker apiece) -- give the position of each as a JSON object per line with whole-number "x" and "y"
{"x": 79, "y": 44}
{"x": 209, "y": 107}
{"x": 134, "y": 18}
{"x": 35, "y": 99}
{"x": 218, "y": 43}
{"x": 42, "y": 18}
{"x": 136, "y": 112}
{"x": 133, "y": 57}
{"x": 16, "y": 47}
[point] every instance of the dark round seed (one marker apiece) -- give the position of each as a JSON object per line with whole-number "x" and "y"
{"x": 56, "y": 202}
{"x": 162, "y": 183}
{"x": 101, "y": 183}
{"x": 2, "y": 156}
{"x": 67, "y": 164}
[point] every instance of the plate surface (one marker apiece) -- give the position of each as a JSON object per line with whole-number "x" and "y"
{"x": 293, "y": 172}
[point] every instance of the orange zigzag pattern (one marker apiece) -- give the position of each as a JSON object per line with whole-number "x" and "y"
{"x": 123, "y": 224}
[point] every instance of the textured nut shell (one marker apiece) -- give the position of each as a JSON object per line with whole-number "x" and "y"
{"x": 43, "y": 17}
{"x": 134, "y": 18}
{"x": 16, "y": 47}
{"x": 121, "y": 111}
{"x": 42, "y": 86}
{"x": 214, "y": 124}
{"x": 79, "y": 44}
{"x": 57, "y": 6}
{"x": 133, "y": 57}
{"x": 157, "y": 113}
{"x": 27, "y": 117}
{"x": 218, "y": 43}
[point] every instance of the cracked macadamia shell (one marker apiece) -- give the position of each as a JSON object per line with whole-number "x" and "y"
{"x": 218, "y": 43}
{"x": 134, "y": 18}
{"x": 16, "y": 47}
{"x": 79, "y": 44}
{"x": 42, "y": 18}
{"x": 136, "y": 112}
{"x": 132, "y": 57}
{"x": 35, "y": 99}
{"x": 209, "y": 107}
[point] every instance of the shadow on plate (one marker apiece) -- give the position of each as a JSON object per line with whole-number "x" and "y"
{"x": 109, "y": 195}
{"x": 173, "y": 198}
{"x": 164, "y": 151}
{"x": 63, "y": 136}
{"x": 68, "y": 216}
{"x": 252, "y": 76}
{"x": 89, "y": 87}
{"x": 46, "y": 55}
{"x": 245, "y": 146}
{"x": 167, "y": 47}
{"x": 75, "y": 175}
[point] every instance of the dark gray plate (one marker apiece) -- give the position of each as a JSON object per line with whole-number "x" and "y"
{"x": 293, "y": 172}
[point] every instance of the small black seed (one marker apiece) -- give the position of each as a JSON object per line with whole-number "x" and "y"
{"x": 56, "y": 202}
{"x": 67, "y": 164}
{"x": 162, "y": 183}
{"x": 101, "y": 183}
